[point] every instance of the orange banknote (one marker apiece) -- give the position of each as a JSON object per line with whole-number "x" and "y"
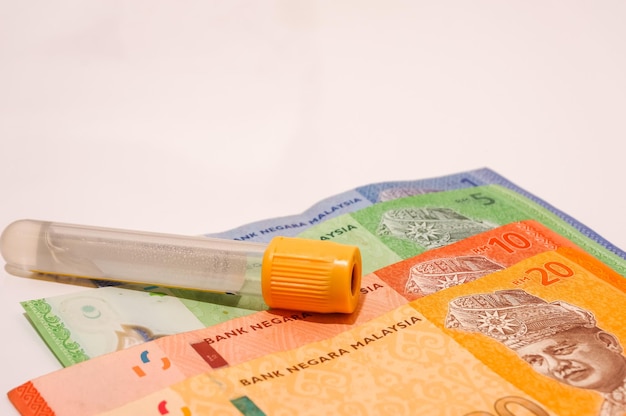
{"x": 542, "y": 337}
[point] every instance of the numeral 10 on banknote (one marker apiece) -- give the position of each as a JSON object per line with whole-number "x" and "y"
{"x": 510, "y": 241}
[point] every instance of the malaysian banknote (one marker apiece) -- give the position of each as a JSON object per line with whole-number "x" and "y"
{"x": 390, "y": 231}
{"x": 356, "y": 199}
{"x": 541, "y": 337}
{"x": 397, "y": 364}
{"x": 386, "y": 233}
{"x": 364, "y": 196}
{"x": 552, "y": 325}
{"x": 240, "y": 340}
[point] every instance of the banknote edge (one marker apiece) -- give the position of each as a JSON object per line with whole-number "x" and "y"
{"x": 54, "y": 332}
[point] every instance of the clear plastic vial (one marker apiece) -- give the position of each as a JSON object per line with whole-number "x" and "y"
{"x": 290, "y": 273}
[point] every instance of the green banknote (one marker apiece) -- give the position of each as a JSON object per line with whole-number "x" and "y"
{"x": 386, "y": 233}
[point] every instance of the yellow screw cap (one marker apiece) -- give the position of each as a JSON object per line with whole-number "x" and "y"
{"x": 311, "y": 275}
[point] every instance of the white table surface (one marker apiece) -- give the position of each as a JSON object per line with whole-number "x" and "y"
{"x": 200, "y": 116}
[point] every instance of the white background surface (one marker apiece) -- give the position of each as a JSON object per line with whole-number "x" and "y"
{"x": 195, "y": 117}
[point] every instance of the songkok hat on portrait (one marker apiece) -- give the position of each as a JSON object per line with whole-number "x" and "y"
{"x": 515, "y": 317}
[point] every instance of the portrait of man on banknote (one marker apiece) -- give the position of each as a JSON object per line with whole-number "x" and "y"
{"x": 556, "y": 339}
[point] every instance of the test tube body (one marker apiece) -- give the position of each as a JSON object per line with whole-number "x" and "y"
{"x": 199, "y": 263}
{"x": 289, "y": 273}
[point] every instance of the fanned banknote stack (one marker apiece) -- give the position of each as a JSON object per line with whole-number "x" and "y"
{"x": 478, "y": 298}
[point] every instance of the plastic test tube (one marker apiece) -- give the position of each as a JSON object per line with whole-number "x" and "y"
{"x": 290, "y": 273}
